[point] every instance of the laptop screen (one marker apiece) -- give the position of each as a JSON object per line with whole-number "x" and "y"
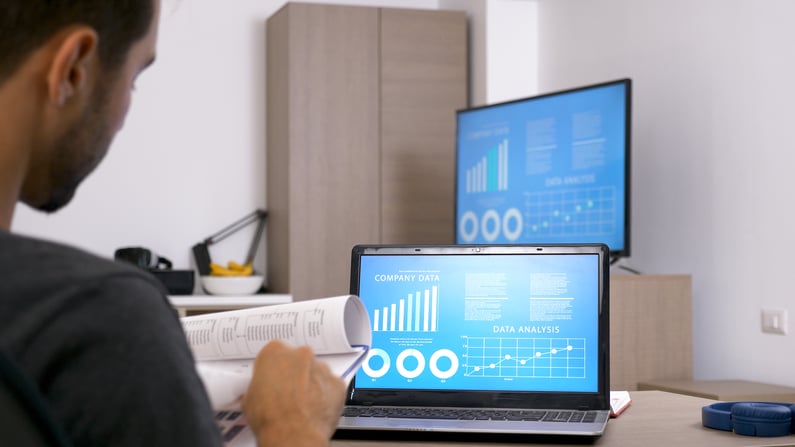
{"x": 496, "y": 319}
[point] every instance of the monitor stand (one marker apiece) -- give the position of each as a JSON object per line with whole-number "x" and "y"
{"x": 614, "y": 264}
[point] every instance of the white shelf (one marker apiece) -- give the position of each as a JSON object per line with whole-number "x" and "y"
{"x": 185, "y": 303}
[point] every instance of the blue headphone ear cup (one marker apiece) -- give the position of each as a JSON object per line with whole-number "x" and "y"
{"x": 718, "y": 416}
{"x": 761, "y": 419}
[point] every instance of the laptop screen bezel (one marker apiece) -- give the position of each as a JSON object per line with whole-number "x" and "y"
{"x": 598, "y": 400}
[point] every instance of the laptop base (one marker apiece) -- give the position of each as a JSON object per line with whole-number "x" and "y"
{"x": 474, "y": 437}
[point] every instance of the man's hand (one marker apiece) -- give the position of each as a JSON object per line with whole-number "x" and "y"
{"x": 293, "y": 400}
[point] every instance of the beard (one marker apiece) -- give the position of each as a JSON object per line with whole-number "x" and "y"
{"x": 78, "y": 152}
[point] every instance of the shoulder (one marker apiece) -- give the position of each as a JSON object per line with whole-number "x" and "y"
{"x": 92, "y": 333}
{"x": 51, "y": 290}
{"x": 41, "y": 278}
{"x": 44, "y": 262}
{"x": 48, "y": 288}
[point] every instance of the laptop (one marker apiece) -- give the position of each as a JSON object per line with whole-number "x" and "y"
{"x": 488, "y": 339}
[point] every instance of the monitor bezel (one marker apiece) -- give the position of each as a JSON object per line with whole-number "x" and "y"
{"x": 598, "y": 399}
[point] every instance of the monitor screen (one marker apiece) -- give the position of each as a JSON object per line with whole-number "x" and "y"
{"x": 552, "y": 168}
{"x": 481, "y": 322}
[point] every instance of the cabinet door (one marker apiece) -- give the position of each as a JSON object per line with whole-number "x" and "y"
{"x": 323, "y": 139}
{"x": 423, "y": 82}
{"x": 651, "y": 333}
{"x": 361, "y": 134}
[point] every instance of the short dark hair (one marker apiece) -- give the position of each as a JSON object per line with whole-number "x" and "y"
{"x": 25, "y": 25}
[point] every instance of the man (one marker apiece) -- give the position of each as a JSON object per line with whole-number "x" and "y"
{"x": 98, "y": 338}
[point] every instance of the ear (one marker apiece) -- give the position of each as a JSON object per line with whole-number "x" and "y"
{"x": 71, "y": 64}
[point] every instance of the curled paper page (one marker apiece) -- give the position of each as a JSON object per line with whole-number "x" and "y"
{"x": 337, "y": 329}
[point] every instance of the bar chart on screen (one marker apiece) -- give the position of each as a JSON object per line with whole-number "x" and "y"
{"x": 489, "y": 173}
{"x": 416, "y": 311}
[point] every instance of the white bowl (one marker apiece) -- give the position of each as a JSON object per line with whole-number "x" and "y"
{"x": 232, "y": 285}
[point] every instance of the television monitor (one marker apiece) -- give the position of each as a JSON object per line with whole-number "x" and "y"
{"x": 552, "y": 168}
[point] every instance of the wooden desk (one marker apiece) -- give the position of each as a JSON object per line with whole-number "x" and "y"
{"x": 655, "y": 418}
{"x": 726, "y": 390}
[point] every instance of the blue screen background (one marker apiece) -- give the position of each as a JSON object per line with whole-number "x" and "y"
{"x": 544, "y": 170}
{"x": 503, "y": 322}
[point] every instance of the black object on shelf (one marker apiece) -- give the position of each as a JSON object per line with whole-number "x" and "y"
{"x": 177, "y": 282}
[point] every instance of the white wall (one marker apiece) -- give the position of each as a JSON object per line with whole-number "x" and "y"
{"x": 503, "y": 48}
{"x": 511, "y": 50}
{"x": 712, "y": 155}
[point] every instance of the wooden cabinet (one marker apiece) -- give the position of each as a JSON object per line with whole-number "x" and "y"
{"x": 360, "y": 131}
{"x": 651, "y": 329}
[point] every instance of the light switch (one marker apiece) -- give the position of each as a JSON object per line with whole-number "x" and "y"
{"x": 774, "y": 321}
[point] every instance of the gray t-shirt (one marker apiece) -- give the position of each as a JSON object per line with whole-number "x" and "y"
{"x": 104, "y": 346}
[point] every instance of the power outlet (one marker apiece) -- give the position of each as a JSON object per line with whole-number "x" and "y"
{"x": 774, "y": 321}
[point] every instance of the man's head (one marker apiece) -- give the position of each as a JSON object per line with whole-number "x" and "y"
{"x": 27, "y": 24}
{"x": 69, "y": 66}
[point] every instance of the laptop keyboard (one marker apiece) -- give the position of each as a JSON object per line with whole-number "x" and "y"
{"x": 472, "y": 414}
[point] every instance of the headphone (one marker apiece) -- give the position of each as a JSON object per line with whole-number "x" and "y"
{"x": 750, "y": 418}
{"x": 143, "y": 258}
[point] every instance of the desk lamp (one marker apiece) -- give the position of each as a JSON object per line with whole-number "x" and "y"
{"x": 201, "y": 253}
